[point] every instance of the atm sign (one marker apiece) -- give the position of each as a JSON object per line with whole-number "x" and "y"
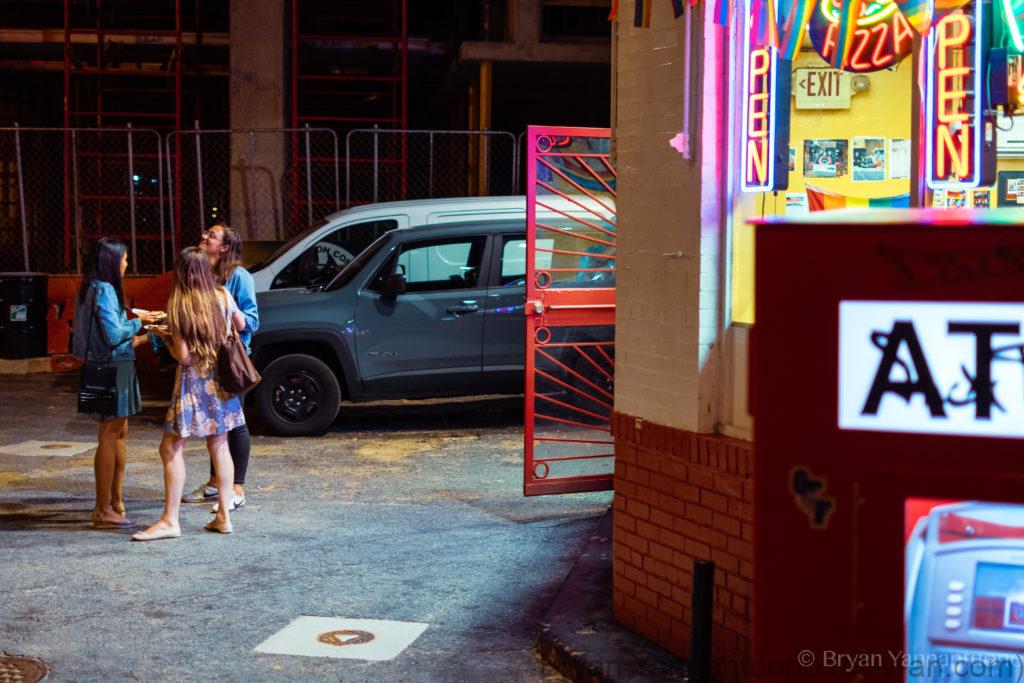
{"x": 932, "y": 367}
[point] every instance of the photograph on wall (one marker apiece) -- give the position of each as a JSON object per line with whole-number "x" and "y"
{"x": 796, "y": 203}
{"x": 825, "y": 158}
{"x": 868, "y": 159}
{"x": 792, "y": 159}
{"x": 956, "y": 199}
{"x": 1015, "y": 191}
{"x": 899, "y": 159}
{"x": 981, "y": 199}
{"x": 1010, "y": 188}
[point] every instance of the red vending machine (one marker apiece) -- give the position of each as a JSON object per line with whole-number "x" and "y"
{"x": 887, "y": 388}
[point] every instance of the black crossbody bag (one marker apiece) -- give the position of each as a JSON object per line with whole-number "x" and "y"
{"x": 97, "y": 390}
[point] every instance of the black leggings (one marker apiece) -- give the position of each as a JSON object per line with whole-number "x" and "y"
{"x": 239, "y": 444}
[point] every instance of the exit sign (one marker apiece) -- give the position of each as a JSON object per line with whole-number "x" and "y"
{"x": 821, "y": 88}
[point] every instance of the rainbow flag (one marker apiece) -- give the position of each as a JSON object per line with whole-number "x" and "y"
{"x": 723, "y": 12}
{"x": 677, "y": 7}
{"x": 823, "y": 200}
{"x": 766, "y": 28}
{"x": 642, "y": 14}
{"x": 944, "y": 7}
{"x": 917, "y": 12}
{"x": 849, "y": 12}
{"x": 614, "y": 14}
{"x": 795, "y": 15}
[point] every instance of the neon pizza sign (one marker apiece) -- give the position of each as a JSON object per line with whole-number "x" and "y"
{"x": 766, "y": 94}
{"x": 882, "y": 39}
{"x": 959, "y": 152}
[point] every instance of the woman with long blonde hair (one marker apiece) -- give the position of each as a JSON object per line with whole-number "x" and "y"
{"x": 198, "y": 315}
{"x": 223, "y": 247}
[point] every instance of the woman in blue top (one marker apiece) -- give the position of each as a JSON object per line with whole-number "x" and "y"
{"x": 103, "y": 332}
{"x": 223, "y": 247}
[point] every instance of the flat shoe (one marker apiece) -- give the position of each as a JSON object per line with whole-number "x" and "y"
{"x": 216, "y": 529}
{"x": 156, "y": 536}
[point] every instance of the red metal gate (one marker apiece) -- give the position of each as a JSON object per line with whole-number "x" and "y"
{"x": 570, "y": 310}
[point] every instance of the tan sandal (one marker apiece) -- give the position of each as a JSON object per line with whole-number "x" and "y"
{"x": 156, "y": 535}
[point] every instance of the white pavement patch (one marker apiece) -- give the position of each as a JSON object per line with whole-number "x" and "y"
{"x": 48, "y": 449}
{"x": 371, "y": 639}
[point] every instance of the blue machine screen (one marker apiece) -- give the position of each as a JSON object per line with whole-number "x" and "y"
{"x": 999, "y": 597}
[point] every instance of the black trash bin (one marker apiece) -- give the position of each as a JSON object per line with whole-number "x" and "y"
{"x": 23, "y": 301}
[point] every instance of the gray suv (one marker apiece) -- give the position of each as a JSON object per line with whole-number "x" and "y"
{"x": 425, "y": 312}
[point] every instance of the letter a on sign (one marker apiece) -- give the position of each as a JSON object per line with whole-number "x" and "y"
{"x": 928, "y": 367}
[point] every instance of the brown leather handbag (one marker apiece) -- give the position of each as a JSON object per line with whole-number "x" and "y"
{"x": 235, "y": 370}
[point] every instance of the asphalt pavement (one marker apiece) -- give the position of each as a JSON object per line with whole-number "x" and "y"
{"x": 404, "y": 512}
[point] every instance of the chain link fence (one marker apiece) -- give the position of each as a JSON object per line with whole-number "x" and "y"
{"x": 60, "y": 189}
{"x": 385, "y": 165}
{"x": 268, "y": 184}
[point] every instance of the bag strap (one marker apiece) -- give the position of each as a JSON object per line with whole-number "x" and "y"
{"x": 229, "y": 330}
{"x": 88, "y": 333}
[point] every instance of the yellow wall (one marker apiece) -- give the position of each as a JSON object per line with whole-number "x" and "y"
{"x": 883, "y": 111}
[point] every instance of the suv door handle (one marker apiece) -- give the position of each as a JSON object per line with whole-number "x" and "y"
{"x": 464, "y": 308}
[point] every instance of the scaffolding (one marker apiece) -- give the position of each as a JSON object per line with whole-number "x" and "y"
{"x": 349, "y": 70}
{"x": 122, "y": 69}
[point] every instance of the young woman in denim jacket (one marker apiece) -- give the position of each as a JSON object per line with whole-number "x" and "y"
{"x": 223, "y": 247}
{"x": 103, "y": 331}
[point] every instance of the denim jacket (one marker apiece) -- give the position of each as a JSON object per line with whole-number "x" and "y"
{"x": 243, "y": 289}
{"x": 110, "y": 332}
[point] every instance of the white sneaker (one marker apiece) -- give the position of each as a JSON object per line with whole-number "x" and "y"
{"x": 201, "y": 494}
{"x": 237, "y": 501}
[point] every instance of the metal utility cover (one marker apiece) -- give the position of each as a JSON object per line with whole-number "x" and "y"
{"x": 48, "y": 449}
{"x": 369, "y": 639}
{"x": 21, "y": 669}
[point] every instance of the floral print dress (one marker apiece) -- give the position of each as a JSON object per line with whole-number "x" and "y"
{"x": 199, "y": 406}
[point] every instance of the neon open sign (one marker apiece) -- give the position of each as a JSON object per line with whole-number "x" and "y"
{"x": 766, "y": 91}
{"x": 883, "y": 36}
{"x": 959, "y": 153}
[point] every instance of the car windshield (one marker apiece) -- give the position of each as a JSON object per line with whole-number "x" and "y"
{"x": 283, "y": 249}
{"x": 353, "y": 268}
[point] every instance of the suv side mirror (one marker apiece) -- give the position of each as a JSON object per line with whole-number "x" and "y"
{"x": 393, "y": 285}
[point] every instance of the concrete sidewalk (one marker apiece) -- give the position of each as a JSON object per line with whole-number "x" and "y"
{"x": 582, "y": 641}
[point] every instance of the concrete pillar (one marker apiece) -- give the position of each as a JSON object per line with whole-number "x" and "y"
{"x": 526, "y": 27}
{"x": 257, "y": 100}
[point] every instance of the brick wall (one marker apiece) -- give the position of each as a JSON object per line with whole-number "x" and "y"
{"x": 669, "y": 297}
{"x": 657, "y": 369}
{"x": 682, "y": 496}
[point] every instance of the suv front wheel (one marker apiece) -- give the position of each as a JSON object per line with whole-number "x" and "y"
{"x": 299, "y": 396}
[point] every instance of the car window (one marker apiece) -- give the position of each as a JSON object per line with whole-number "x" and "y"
{"x": 349, "y": 272}
{"x": 436, "y": 265}
{"x": 325, "y": 258}
{"x": 513, "y": 261}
